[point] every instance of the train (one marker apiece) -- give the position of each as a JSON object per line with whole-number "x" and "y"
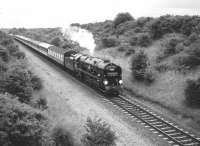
{"x": 101, "y": 74}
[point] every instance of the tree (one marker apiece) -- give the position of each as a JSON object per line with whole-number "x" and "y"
{"x": 121, "y": 18}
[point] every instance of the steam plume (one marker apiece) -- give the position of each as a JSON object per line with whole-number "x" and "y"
{"x": 82, "y": 36}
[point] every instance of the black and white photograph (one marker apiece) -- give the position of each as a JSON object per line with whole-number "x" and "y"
{"x": 100, "y": 73}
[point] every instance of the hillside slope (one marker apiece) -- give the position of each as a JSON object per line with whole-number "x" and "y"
{"x": 165, "y": 51}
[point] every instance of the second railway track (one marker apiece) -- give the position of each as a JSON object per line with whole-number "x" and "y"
{"x": 167, "y": 130}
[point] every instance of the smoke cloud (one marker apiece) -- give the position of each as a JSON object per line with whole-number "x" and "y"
{"x": 82, "y": 36}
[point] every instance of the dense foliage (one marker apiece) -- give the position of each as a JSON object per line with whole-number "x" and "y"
{"x": 139, "y": 66}
{"x": 98, "y": 133}
{"x": 62, "y": 137}
{"x": 20, "y": 124}
{"x": 192, "y": 92}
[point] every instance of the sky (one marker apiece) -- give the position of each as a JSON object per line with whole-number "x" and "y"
{"x": 60, "y": 13}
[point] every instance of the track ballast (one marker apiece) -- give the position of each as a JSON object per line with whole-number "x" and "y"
{"x": 168, "y": 131}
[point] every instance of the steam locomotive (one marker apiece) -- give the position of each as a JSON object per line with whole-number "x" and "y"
{"x": 101, "y": 74}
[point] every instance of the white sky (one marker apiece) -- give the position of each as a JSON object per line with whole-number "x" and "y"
{"x": 56, "y": 13}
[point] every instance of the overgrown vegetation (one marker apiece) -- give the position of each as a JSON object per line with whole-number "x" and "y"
{"x": 192, "y": 92}
{"x": 62, "y": 137}
{"x": 21, "y": 124}
{"x": 140, "y": 69}
{"x": 98, "y": 133}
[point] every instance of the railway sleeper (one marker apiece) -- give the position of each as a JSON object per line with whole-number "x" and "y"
{"x": 170, "y": 131}
{"x": 192, "y": 144}
{"x": 167, "y": 127}
{"x": 186, "y": 140}
{"x": 174, "y": 134}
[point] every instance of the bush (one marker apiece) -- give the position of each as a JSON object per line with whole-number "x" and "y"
{"x": 121, "y": 18}
{"x": 56, "y": 41}
{"x": 18, "y": 82}
{"x": 129, "y": 52}
{"x": 192, "y": 92}
{"x": 133, "y": 40}
{"x": 62, "y": 137}
{"x": 141, "y": 39}
{"x": 144, "y": 39}
{"x": 98, "y": 134}
{"x": 149, "y": 77}
{"x": 139, "y": 62}
{"x": 193, "y": 37}
{"x": 109, "y": 42}
{"x": 19, "y": 55}
{"x": 171, "y": 44}
{"x": 162, "y": 68}
{"x": 36, "y": 82}
{"x": 4, "y": 55}
{"x": 140, "y": 70}
{"x": 190, "y": 57}
{"x": 21, "y": 125}
{"x": 12, "y": 48}
{"x": 42, "y": 103}
{"x": 3, "y": 66}
{"x": 187, "y": 61}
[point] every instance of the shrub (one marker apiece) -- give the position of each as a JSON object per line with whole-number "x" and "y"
{"x": 109, "y": 42}
{"x": 19, "y": 55}
{"x": 149, "y": 77}
{"x": 190, "y": 58}
{"x": 6, "y": 41}
{"x": 12, "y": 48}
{"x": 42, "y": 103}
{"x": 139, "y": 62}
{"x": 98, "y": 134}
{"x": 144, "y": 39}
{"x": 21, "y": 125}
{"x": 62, "y": 137}
{"x": 18, "y": 82}
{"x": 121, "y": 18}
{"x": 129, "y": 52}
{"x": 171, "y": 44}
{"x": 36, "y": 82}
{"x": 4, "y": 54}
{"x": 162, "y": 68}
{"x": 56, "y": 41}
{"x": 140, "y": 39}
{"x": 133, "y": 40}
{"x": 3, "y": 66}
{"x": 187, "y": 61}
{"x": 193, "y": 37}
{"x": 192, "y": 92}
{"x": 140, "y": 69}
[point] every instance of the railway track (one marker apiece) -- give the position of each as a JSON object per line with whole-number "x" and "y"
{"x": 168, "y": 131}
